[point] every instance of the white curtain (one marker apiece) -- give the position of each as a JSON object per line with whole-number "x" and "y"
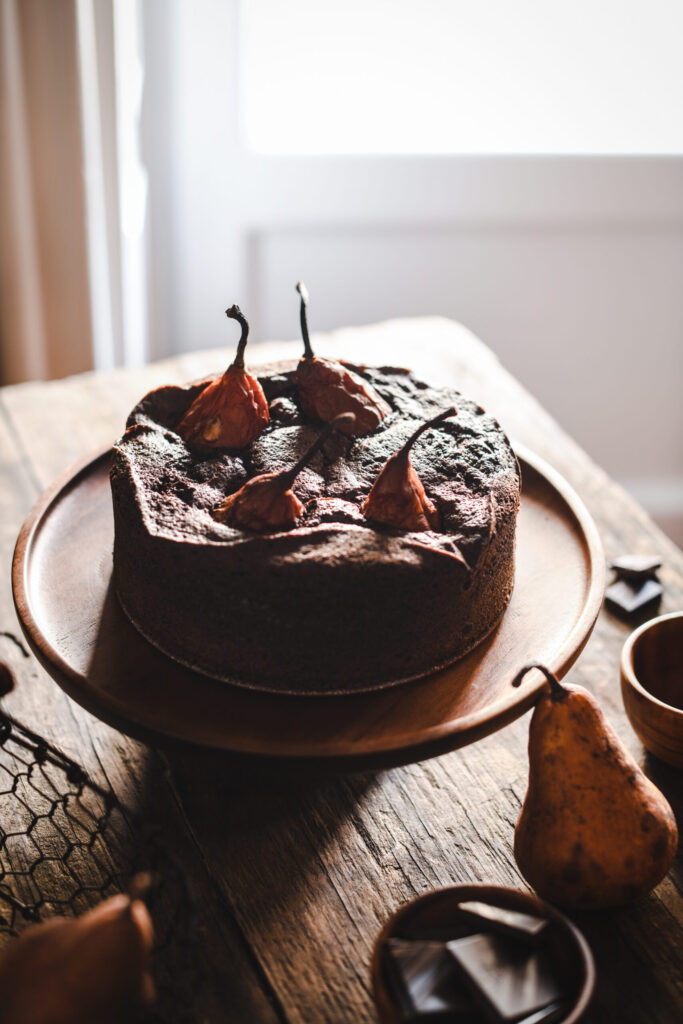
{"x": 72, "y": 188}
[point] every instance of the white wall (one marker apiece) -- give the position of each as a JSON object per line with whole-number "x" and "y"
{"x": 590, "y": 319}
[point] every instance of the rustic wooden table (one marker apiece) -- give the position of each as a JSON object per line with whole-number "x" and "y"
{"x": 294, "y": 881}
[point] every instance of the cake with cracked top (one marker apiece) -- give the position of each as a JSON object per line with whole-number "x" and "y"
{"x": 338, "y": 602}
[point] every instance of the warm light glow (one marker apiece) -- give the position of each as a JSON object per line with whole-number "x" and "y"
{"x": 452, "y": 76}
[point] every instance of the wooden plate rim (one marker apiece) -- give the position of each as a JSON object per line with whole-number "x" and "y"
{"x": 431, "y": 741}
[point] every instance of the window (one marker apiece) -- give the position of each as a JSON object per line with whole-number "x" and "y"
{"x": 458, "y": 77}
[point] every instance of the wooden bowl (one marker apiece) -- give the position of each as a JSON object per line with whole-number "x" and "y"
{"x": 652, "y": 685}
{"x": 435, "y": 914}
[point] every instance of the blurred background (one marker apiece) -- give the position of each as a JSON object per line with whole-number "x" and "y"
{"x": 516, "y": 167}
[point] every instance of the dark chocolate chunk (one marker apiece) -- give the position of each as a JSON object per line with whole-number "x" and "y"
{"x": 636, "y": 567}
{"x": 508, "y": 922}
{"x": 628, "y": 599}
{"x": 426, "y": 984}
{"x": 510, "y": 980}
{"x": 548, "y": 1015}
{"x": 333, "y": 510}
{"x": 283, "y": 410}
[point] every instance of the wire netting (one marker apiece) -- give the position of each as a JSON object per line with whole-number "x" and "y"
{"x": 66, "y": 843}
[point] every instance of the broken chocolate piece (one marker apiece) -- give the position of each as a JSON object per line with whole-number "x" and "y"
{"x": 426, "y": 984}
{"x": 629, "y": 599}
{"x": 507, "y": 922}
{"x": 636, "y": 567}
{"x": 550, "y": 1014}
{"x": 510, "y": 980}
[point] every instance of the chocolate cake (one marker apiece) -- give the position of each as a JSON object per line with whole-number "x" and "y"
{"x": 338, "y": 603}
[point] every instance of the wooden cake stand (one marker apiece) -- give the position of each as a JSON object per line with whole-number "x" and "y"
{"x": 72, "y": 620}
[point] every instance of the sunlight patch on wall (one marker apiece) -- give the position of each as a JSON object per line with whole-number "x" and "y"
{"x": 456, "y": 77}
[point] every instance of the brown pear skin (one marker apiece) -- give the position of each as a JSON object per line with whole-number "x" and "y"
{"x": 87, "y": 970}
{"x": 593, "y": 831}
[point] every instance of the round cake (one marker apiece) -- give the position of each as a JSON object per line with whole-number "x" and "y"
{"x": 338, "y": 603}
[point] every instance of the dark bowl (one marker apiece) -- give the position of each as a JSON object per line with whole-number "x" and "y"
{"x": 436, "y": 912}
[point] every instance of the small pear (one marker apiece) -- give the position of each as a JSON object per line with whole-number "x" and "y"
{"x": 398, "y": 497}
{"x": 326, "y": 388}
{"x": 267, "y": 502}
{"x": 593, "y": 830}
{"x": 81, "y": 970}
{"x": 232, "y": 410}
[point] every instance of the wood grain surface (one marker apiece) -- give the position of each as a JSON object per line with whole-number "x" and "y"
{"x": 295, "y": 881}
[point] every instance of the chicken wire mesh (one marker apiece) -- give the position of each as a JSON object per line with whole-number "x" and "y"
{"x": 66, "y": 843}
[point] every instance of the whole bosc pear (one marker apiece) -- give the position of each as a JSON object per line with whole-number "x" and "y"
{"x": 593, "y": 830}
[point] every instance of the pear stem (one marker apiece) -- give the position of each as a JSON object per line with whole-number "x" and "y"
{"x": 303, "y": 317}
{"x": 139, "y": 885}
{"x": 425, "y": 426}
{"x": 235, "y": 313}
{"x": 288, "y": 477}
{"x": 557, "y": 690}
